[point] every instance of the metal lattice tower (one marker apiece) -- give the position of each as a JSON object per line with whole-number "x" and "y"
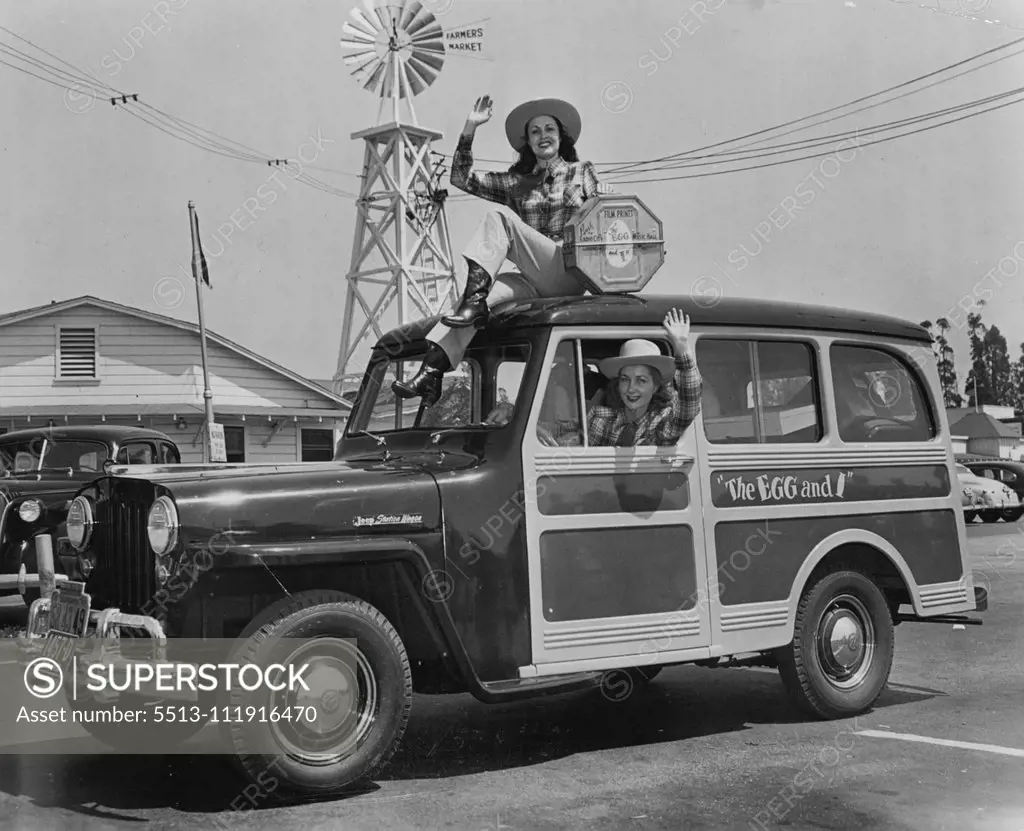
{"x": 401, "y": 252}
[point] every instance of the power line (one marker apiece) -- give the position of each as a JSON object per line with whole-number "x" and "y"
{"x": 171, "y": 125}
{"x": 893, "y": 88}
{"x": 821, "y": 141}
{"x": 816, "y": 155}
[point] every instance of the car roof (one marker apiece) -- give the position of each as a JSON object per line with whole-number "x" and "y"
{"x": 108, "y": 433}
{"x": 648, "y": 310}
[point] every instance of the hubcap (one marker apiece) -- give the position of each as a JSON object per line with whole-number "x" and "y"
{"x": 845, "y": 642}
{"x": 331, "y": 719}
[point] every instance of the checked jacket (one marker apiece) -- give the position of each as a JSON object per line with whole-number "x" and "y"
{"x": 545, "y": 200}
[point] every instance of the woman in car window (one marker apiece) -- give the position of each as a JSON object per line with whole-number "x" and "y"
{"x": 655, "y": 397}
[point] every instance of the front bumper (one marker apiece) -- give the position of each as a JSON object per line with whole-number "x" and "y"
{"x": 100, "y": 644}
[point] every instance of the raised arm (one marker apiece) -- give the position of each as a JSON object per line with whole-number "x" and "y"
{"x": 687, "y": 381}
{"x": 591, "y": 184}
{"x": 495, "y": 187}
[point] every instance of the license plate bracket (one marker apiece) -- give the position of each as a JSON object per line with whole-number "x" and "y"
{"x": 69, "y": 612}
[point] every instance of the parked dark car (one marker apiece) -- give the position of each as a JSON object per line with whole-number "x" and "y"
{"x": 1008, "y": 472}
{"x": 42, "y": 469}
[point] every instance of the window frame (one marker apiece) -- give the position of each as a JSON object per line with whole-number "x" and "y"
{"x": 302, "y": 445}
{"x": 577, "y": 334}
{"x": 753, "y": 338}
{"x": 926, "y": 394}
{"x": 245, "y": 445}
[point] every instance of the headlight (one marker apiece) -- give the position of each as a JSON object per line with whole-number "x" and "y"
{"x": 30, "y": 510}
{"x": 162, "y": 526}
{"x": 79, "y": 522}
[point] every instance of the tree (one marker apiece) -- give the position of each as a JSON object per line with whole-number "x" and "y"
{"x": 945, "y": 361}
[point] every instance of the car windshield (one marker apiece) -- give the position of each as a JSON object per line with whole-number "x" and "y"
{"x": 38, "y": 452}
{"x": 960, "y": 469}
{"x": 482, "y": 391}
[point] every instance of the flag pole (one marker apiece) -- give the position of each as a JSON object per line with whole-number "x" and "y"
{"x": 198, "y": 271}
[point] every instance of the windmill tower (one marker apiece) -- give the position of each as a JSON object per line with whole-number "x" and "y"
{"x": 401, "y": 252}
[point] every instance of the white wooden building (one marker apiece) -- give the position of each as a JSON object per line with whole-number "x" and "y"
{"x": 89, "y": 360}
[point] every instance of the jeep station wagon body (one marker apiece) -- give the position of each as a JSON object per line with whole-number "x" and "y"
{"x": 813, "y": 497}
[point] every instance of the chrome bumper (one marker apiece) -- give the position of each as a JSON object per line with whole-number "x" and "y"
{"x": 103, "y": 625}
{"x": 102, "y": 645}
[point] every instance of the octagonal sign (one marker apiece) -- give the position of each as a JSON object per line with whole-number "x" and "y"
{"x": 614, "y": 244}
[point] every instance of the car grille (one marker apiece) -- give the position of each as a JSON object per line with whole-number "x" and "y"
{"x": 123, "y": 548}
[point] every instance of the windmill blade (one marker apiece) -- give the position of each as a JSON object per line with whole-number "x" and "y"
{"x": 358, "y": 33}
{"x": 374, "y": 81}
{"x": 418, "y": 80}
{"x": 412, "y": 11}
{"x": 424, "y": 21}
{"x": 429, "y": 32}
{"x": 379, "y": 12}
{"x": 363, "y": 60}
{"x": 368, "y": 24}
{"x": 425, "y": 64}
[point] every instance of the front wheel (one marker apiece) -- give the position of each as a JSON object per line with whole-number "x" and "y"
{"x": 344, "y": 722}
{"x": 841, "y": 654}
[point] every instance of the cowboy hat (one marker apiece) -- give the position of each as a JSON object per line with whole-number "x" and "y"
{"x": 634, "y": 352}
{"x": 566, "y": 113}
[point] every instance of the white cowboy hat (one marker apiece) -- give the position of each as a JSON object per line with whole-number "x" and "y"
{"x": 638, "y": 351}
{"x": 566, "y": 113}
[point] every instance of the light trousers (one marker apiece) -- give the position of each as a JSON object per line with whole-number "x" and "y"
{"x": 501, "y": 236}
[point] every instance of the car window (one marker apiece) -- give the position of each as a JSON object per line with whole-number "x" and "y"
{"x": 988, "y": 474}
{"x": 169, "y": 454}
{"x": 136, "y": 453}
{"x": 877, "y": 397}
{"x": 1007, "y": 475}
{"x": 758, "y": 392}
{"x": 483, "y": 390}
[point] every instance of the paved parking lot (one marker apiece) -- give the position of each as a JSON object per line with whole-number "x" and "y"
{"x": 699, "y": 749}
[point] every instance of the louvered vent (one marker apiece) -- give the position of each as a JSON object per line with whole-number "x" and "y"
{"x": 78, "y": 353}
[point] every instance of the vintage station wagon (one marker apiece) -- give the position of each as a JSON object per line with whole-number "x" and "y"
{"x": 811, "y": 507}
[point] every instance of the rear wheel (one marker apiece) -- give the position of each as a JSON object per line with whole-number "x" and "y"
{"x": 349, "y": 722}
{"x": 842, "y": 650}
{"x": 1012, "y": 514}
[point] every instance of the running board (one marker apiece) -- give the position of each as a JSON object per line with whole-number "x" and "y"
{"x": 514, "y": 689}
{"x": 963, "y": 620}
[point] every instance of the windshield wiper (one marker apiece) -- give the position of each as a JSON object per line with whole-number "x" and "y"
{"x": 381, "y": 442}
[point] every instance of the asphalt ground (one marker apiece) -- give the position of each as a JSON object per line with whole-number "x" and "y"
{"x": 697, "y": 749}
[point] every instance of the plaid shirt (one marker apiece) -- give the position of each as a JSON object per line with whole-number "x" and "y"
{"x": 544, "y": 206}
{"x": 656, "y": 427}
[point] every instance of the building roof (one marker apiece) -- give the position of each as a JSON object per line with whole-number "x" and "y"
{"x": 213, "y": 337}
{"x": 647, "y": 310}
{"x": 975, "y": 425}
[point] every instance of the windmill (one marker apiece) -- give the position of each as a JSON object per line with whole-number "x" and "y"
{"x": 402, "y": 248}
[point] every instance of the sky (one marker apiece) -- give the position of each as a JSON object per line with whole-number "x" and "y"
{"x": 96, "y": 201}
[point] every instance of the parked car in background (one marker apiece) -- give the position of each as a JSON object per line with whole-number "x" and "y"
{"x": 1008, "y": 472}
{"x": 986, "y": 498}
{"x": 40, "y": 471}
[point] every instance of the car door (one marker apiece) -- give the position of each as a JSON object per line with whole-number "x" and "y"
{"x": 615, "y": 543}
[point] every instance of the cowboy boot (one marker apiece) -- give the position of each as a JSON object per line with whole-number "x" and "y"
{"x": 472, "y": 310}
{"x": 426, "y": 384}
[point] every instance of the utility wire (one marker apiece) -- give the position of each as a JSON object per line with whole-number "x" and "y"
{"x": 827, "y": 111}
{"x": 821, "y": 141}
{"x": 817, "y": 155}
{"x": 850, "y": 133}
{"x": 171, "y": 125}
